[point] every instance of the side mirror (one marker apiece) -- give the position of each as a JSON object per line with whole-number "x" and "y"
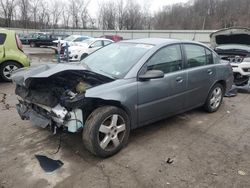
{"x": 151, "y": 74}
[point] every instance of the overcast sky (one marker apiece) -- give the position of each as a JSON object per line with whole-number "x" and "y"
{"x": 154, "y": 5}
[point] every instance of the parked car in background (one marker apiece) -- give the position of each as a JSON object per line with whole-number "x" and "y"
{"x": 26, "y": 37}
{"x": 70, "y": 40}
{"x": 11, "y": 54}
{"x": 23, "y": 38}
{"x": 233, "y": 45}
{"x": 121, "y": 87}
{"x": 114, "y": 38}
{"x": 82, "y": 49}
{"x": 41, "y": 39}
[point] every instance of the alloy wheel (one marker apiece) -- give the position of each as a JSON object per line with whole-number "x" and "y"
{"x": 7, "y": 70}
{"x": 216, "y": 98}
{"x": 111, "y": 132}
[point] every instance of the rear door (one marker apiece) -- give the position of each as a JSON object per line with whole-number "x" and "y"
{"x": 162, "y": 97}
{"x": 201, "y": 73}
{"x": 2, "y": 41}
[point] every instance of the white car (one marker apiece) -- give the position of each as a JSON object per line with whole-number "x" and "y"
{"x": 71, "y": 40}
{"x": 233, "y": 45}
{"x": 83, "y": 49}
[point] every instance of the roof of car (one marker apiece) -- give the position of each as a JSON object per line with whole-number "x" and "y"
{"x": 153, "y": 41}
{"x": 95, "y": 39}
{"x": 161, "y": 41}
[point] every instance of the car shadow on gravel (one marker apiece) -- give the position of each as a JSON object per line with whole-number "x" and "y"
{"x": 73, "y": 142}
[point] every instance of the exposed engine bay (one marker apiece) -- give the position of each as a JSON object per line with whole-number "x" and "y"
{"x": 233, "y": 45}
{"x": 239, "y": 59}
{"x": 57, "y": 101}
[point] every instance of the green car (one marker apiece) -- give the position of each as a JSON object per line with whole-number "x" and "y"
{"x": 12, "y": 56}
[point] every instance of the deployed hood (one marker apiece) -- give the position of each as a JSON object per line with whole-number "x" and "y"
{"x": 234, "y": 35}
{"x": 24, "y": 76}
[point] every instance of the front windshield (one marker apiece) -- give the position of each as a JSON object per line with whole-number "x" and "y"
{"x": 70, "y": 38}
{"x": 116, "y": 59}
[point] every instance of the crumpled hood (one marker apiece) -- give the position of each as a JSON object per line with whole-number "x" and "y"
{"x": 24, "y": 75}
{"x": 234, "y": 35}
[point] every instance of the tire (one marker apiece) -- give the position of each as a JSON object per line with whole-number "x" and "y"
{"x": 83, "y": 56}
{"x": 7, "y": 68}
{"x": 32, "y": 44}
{"x": 102, "y": 138}
{"x": 215, "y": 98}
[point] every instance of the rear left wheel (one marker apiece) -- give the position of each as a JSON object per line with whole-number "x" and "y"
{"x": 215, "y": 98}
{"x": 106, "y": 131}
{"x": 7, "y": 68}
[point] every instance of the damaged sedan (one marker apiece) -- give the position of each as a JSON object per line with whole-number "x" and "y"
{"x": 233, "y": 45}
{"x": 121, "y": 87}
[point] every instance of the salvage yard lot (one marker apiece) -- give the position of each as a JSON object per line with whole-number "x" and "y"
{"x": 206, "y": 150}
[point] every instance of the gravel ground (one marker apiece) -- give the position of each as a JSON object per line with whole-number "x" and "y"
{"x": 206, "y": 150}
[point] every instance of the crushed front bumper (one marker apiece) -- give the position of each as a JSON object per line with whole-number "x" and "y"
{"x": 44, "y": 116}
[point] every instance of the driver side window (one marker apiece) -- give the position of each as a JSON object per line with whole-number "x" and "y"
{"x": 167, "y": 59}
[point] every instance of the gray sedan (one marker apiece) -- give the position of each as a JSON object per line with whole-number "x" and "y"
{"x": 121, "y": 87}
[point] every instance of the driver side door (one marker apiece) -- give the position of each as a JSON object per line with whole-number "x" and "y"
{"x": 163, "y": 97}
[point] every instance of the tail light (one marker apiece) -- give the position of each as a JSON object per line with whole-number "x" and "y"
{"x": 19, "y": 43}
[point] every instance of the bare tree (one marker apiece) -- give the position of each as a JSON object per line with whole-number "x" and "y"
{"x": 85, "y": 14}
{"x": 133, "y": 16}
{"x": 8, "y": 8}
{"x": 121, "y": 13}
{"x": 56, "y": 11}
{"x": 43, "y": 15}
{"x": 66, "y": 17}
{"x": 78, "y": 11}
{"x": 24, "y": 9}
{"x": 34, "y": 9}
{"x": 107, "y": 15}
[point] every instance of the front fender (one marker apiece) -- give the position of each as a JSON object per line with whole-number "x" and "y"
{"x": 123, "y": 92}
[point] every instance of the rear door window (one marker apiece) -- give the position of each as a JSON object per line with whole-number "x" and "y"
{"x": 196, "y": 55}
{"x": 2, "y": 38}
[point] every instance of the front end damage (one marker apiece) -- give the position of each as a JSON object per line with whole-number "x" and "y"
{"x": 55, "y": 97}
{"x": 233, "y": 45}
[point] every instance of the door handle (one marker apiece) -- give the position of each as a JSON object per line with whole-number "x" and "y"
{"x": 179, "y": 79}
{"x": 209, "y": 71}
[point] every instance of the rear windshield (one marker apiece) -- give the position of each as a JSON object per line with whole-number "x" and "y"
{"x": 2, "y": 38}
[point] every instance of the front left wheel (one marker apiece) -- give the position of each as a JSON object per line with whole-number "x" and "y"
{"x": 7, "y": 68}
{"x": 106, "y": 131}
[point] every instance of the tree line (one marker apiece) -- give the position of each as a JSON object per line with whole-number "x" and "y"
{"x": 124, "y": 14}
